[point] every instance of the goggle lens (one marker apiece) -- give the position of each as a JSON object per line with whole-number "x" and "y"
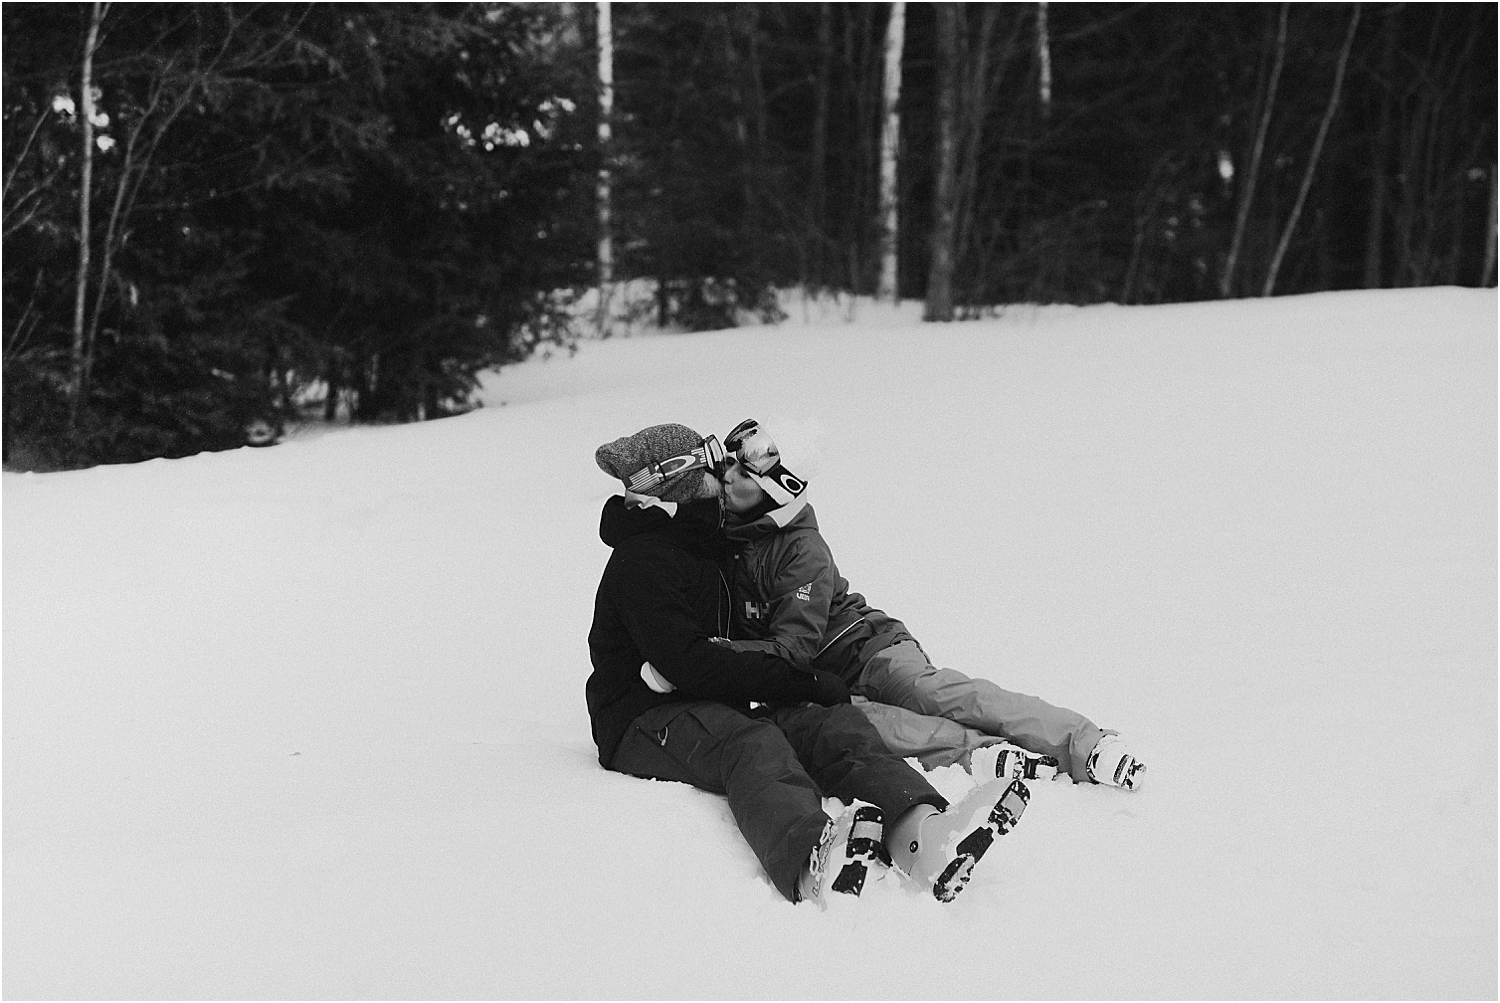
{"x": 753, "y": 446}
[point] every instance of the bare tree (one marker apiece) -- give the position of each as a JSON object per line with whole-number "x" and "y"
{"x": 1043, "y": 60}
{"x": 1380, "y": 156}
{"x": 890, "y": 138}
{"x": 939, "y": 304}
{"x": 1317, "y": 151}
{"x": 817, "y": 195}
{"x": 981, "y": 85}
{"x": 1247, "y": 193}
{"x": 606, "y": 253}
{"x": 85, "y": 198}
{"x": 1487, "y": 275}
{"x": 176, "y": 84}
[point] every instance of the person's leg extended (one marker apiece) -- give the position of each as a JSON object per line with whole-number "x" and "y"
{"x": 932, "y": 741}
{"x": 713, "y": 747}
{"x": 938, "y": 844}
{"x": 902, "y": 675}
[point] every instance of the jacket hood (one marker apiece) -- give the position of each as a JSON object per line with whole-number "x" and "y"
{"x": 797, "y": 514}
{"x": 693, "y": 521}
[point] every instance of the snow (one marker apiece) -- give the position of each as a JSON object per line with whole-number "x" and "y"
{"x": 308, "y": 722}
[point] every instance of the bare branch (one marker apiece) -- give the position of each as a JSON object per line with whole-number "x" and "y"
{"x": 25, "y": 149}
{"x": 1226, "y": 279}
{"x": 1317, "y": 150}
{"x": 115, "y": 216}
{"x": 34, "y": 191}
{"x": 16, "y": 342}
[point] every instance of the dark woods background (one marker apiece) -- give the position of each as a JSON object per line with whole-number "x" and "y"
{"x": 363, "y": 206}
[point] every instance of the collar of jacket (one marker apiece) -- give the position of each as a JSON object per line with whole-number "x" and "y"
{"x": 692, "y": 522}
{"x": 796, "y": 513}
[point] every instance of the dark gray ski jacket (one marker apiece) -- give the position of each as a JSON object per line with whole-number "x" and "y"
{"x": 790, "y": 599}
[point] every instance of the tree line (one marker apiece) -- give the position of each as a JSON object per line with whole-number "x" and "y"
{"x": 212, "y": 209}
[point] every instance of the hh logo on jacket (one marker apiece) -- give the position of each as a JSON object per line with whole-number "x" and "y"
{"x": 757, "y": 610}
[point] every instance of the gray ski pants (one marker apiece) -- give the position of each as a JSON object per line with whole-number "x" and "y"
{"x": 931, "y": 741}
{"x": 775, "y": 771}
{"x": 901, "y": 675}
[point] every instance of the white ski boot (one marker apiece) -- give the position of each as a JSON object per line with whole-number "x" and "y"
{"x": 1010, "y": 762}
{"x": 850, "y": 846}
{"x": 949, "y": 843}
{"x": 1111, "y": 763}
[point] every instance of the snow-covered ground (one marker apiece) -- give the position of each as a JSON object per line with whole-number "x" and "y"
{"x": 308, "y": 722}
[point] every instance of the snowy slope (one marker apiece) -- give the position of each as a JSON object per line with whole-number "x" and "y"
{"x": 308, "y": 721}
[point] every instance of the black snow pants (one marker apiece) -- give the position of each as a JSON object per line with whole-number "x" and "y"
{"x": 775, "y": 770}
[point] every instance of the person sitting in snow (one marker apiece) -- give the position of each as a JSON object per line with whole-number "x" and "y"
{"x": 796, "y": 604}
{"x": 669, "y": 700}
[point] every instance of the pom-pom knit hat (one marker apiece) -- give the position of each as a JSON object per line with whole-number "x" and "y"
{"x": 626, "y": 457}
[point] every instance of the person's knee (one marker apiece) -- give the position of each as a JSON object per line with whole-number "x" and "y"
{"x": 935, "y": 691}
{"x": 754, "y": 743}
{"x": 952, "y": 688}
{"x": 848, "y": 728}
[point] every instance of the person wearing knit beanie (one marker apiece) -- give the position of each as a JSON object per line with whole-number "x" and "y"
{"x": 670, "y": 699}
{"x": 663, "y": 461}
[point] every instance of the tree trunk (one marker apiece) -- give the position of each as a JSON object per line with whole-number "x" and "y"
{"x": 85, "y": 198}
{"x": 755, "y": 159}
{"x": 1317, "y": 152}
{"x": 749, "y": 218}
{"x": 331, "y": 402}
{"x": 1487, "y": 275}
{"x": 939, "y": 304}
{"x": 890, "y": 141}
{"x": 606, "y": 253}
{"x": 1043, "y": 61}
{"x": 974, "y": 102}
{"x": 120, "y": 211}
{"x": 1380, "y": 156}
{"x": 865, "y": 73}
{"x": 816, "y": 189}
{"x": 1247, "y": 196}
{"x": 757, "y": 81}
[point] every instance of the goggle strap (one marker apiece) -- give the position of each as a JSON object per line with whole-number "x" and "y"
{"x": 780, "y": 483}
{"x": 709, "y": 455}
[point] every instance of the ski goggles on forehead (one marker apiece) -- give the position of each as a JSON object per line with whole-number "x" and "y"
{"x": 707, "y": 455}
{"x": 753, "y": 446}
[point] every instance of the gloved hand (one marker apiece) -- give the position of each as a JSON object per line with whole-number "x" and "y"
{"x": 819, "y": 687}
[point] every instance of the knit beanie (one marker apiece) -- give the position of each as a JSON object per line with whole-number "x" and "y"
{"x": 625, "y": 456}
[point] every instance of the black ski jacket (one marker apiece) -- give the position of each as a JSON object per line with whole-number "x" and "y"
{"x": 663, "y": 596}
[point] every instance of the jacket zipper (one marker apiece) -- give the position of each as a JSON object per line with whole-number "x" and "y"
{"x": 719, "y": 619}
{"x": 840, "y": 634}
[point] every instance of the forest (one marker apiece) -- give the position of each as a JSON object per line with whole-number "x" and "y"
{"x": 220, "y": 218}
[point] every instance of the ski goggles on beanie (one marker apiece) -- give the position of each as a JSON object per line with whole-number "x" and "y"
{"x": 754, "y": 449}
{"x": 707, "y": 455}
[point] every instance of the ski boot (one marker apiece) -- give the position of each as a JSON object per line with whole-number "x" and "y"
{"x": 1011, "y": 762}
{"x": 849, "y": 847}
{"x": 1111, "y": 763}
{"x": 947, "y": 844}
